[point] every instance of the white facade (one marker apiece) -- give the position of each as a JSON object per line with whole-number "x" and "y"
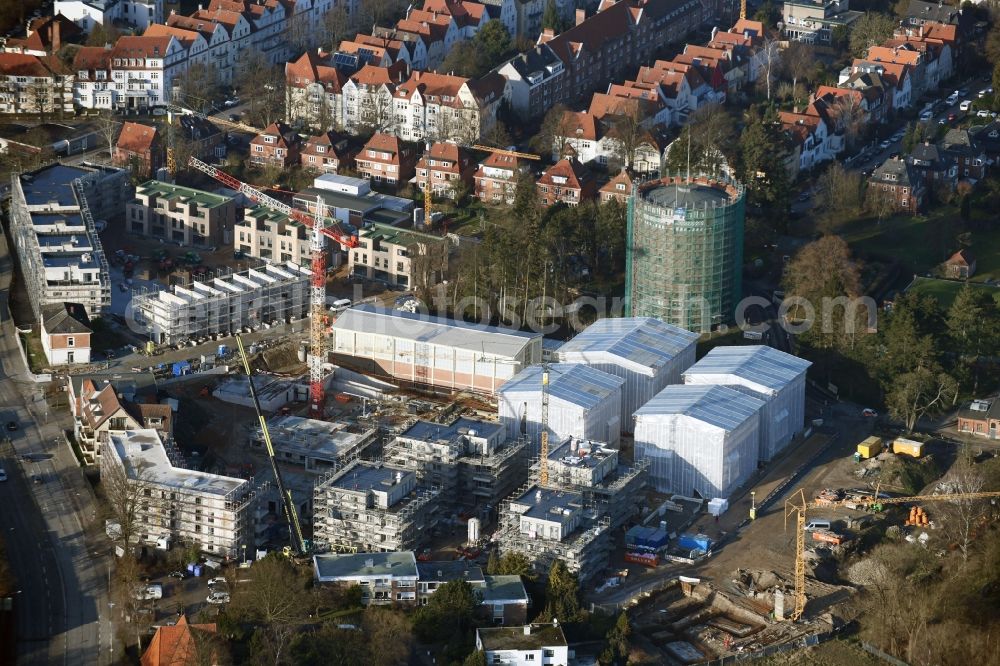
{"x": 645, "y": 352}
{"x": 433, "y": 351}
{"x": 584, "y": 403}
{"x": 213, "y": 512}
{"x": 89, "y": 13}
{"x": 699, "y": 440}
{"x": 777, "y": 378}
{"x": 530, "y": 645}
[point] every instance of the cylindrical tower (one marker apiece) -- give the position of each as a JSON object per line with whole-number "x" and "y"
{"x": 685, "y": 251}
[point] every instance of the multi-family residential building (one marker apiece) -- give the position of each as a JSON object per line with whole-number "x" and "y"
{"x": 373, "y": 507}
{"x": 136, "y": 73}
{"x": 89, "y": 13}
{"x": 600, "y": 140}
{"x": 968, "y": 154}
{"x": 814, "y": 21}
{"x": 395, "y": 256}
{"x": 220, "y": 41}
{"x": 66, "y": 333}
{"x": 936, "y": 168}
{"x": 314, "y": 86}
{"x": 272, "y": 236}
{"x": 35, "y": 84}
{"x": 387, "y": 159}
{"x": 442, "y": 107}
{"x": 214, "y": 513}
{"x": 99, "y": 411}
{"x": 181, "y": 215}
{"x": 277, "y": 146}
{"x": 205, "y": 139}
{"x": 496, "y": 178}
{"x": 530, "y": 645}
{"x": 326, "y": 153}
{"x": 567, "y": 181}
{"x": 447, "y": 168}
{"x": 266, "y": 295}
{"x": 139, "y": 148}
{"x": 896, "y": 187}
{"x": 384, "y": 577}
{"x": 45, "y": 36}
{"x": 52, "y": 215}
{"x": 598, "y": 49}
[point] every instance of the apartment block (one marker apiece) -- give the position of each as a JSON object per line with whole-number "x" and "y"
{"x": 181, "y": 215}
{"x": 470, "y": 460}
{"x": 529, "y": 645}
{"x": 384, "y": 578}
{"x": 813, "y": 21}
{"x": 214, "y": 513}
{"x": 496, "y": 178}
{"x": 101, "y": 408}
{"x": 446, "y": 169}
{"x": 373, "y": 507}
{"x": 35, "y": 84}
{"x": 52, "y": 216}
{"x": 398, "y": 256}
{"x": 314, "y": 445}
{"x": 272, "y": 236}
{"x": 224, "y": 305}
{"x": 386, "y": 159}
{"x": 277, "y": 146}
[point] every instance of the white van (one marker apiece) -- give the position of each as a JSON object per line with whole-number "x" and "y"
{"x": 816, "y": 525}
{"x": 149, "y": 592}
{"x": 339, "y": 305}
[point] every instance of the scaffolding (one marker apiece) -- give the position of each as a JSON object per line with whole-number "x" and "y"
{"x": 245, "y": 301}
{"x": 685, "y": 253}
{"x": 347, "y": 518}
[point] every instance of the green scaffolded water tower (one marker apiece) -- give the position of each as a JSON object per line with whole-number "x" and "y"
{"x": 684, "y": 259}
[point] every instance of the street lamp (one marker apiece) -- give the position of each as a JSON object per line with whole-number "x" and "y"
{"x": 753, "y": 505}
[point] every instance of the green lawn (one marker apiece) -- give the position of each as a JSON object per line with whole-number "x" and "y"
{"x": 32, "y": 342}
{"x": 945, "y": 291}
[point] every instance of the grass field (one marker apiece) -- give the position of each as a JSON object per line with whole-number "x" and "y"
{"x": 945, "y": 291}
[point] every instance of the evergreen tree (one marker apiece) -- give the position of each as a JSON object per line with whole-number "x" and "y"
{"x": 974, "y": 328}
{"x": 477, "y": 658}
{"x": 550, "y": 18}
{"x": 562, "y": 600}
{"x": 617, "y": 649}
{"x": 763, "y": 153}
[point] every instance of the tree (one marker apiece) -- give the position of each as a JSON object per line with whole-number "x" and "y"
{"x": 551, "y": 18}
{"x": 107, "y": 128}
{"x": 329, "y": 646}
{"x": 611, "y": 228}
{"x": 126, "y": 498}
{"x": 562, "y": 595}
{"x": 920, "y": 392}
{"x": 992, "y": 49}
{"x": 494, "y": 42}
{"x": 763, "y": 152}
{"x": 497, "y": 135}
{"x": 276, "y": 601}
{"x": 465, "y": 59}
{"x": 380, "y": 12}
{"x": 513, "y": 563}
{"x": 336, "y": 25}
{"x": 974, "y": 326}
{"x": 198, "y": 87}
{"x": 908, "y": 338}
{"x": 616, "y": 652}
{"x": 448, "y": 618}
{"x": 557, "y": 123}
{"x": 963, "y": 515}
{"x": 870, "y": 30}
{"x": 770, "y": 59}
{"x": 839, "y": 197}
{"x": 628, "y": 132}
{"x": 389, "y": 637}
{"x": 710, "y": 134}
{"x": 798, "y": 61}
{"x": 101, "y": 35}
{"x": 477, "y": 658}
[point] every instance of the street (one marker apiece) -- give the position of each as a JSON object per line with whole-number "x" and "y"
{"x": 61, "y": 601}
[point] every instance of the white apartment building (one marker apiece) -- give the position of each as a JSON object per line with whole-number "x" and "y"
{"x": 34, "y": 84}
{"x": 225, "y": 33}
{"x": 52, "y": 213}
{"x": 137, "y": 73}
{"x": 269, "y": 295}
{"x": 272, "y": 236}
{"x": 442, "y": 107}
{"x": 530, "y": 645}
{"x": 89, "y": 13}
{"x": 212, "y": 512}
{"x": 180, "y": 215}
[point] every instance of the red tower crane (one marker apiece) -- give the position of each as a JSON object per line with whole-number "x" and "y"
{"x": 320, "y": 226}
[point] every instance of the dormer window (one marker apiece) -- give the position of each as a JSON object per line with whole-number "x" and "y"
{"x": 268, "y": 139}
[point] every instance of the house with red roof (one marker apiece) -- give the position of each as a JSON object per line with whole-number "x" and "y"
{"x": 602, "y": 141}
{"x": 182, "y": 644}
{"x": 35, "y": 84}
{"x": 326, "y": 153}
{"x": 139, "y": 147}
{"x": 387, "y": 159}
{"x": 617, "y": 189}
{"x": 446, "y": 168}
{"x": 277, "y": 146}
{"x": 567, "y": 181}
{"x": 44, "y": 36}
{"x": 314, "y": 88}
{"x": 961, "y": 265}
{"x": 496, "y": 178}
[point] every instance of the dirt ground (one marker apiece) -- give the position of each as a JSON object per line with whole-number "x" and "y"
{"x": 831, "y": 653}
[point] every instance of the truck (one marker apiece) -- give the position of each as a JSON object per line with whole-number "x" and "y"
{"x": 907, "y": 447}
{"x": 870, "y": 447}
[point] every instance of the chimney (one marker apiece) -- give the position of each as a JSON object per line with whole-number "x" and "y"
{"x": 548, "y": 32}
{"x": 581, "y": 16}
{"x": 527, "y": 630}
{"x": 56, "y": 37}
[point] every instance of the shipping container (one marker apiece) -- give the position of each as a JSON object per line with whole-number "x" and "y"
{"x": 777, "y": 378}
{"x": 694, "y": 542}
{"x": 828, "y": 537}
{"x": 647, "y": 353}
{"x": 647, "y": 559}
{"x": 584, "y": 403}
{"x": 699, "y": 439}
{"x": 870, "y": 447}
{"x": 907, "y": 447}
{"x": 641, "y": 538}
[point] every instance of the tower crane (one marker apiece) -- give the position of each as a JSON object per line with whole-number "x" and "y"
{"x": 511, "y": 153}
{"x": 299, "y": 543}
{"x": 543, "y": 469}
{"x": 320, "y": 225}
{"x": 797, "y": 506}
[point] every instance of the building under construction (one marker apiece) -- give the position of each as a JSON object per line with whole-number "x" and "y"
{"x": 685, "y": 251}
{"x": 318, "y": 446}
{"x": 593, "y": 469}
{"x": 370, "y": 506}
{"x": 470, "y": 460}
{"x": 224, "y": 305}
{"x": 548, "y": 524}
{"x": 53, "y": 228}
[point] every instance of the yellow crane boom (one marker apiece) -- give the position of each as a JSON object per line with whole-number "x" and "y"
{"x": 798, "y": 506}
{"x": 512, "y": 153}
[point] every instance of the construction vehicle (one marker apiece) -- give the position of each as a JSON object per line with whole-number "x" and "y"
{"x": 299, "y": 544}
{"x": 797, "y": 506}
{"x": 320, "y": 225}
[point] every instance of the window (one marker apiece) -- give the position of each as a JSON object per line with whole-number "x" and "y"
{"x": 71, "y": 341}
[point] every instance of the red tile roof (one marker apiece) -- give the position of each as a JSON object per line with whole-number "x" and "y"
{"x": 141, "y": 47}
{"x": 92, "y": 58}
{"x": 385, "y": 143}
{"x": 187, "y": 38}
{"x": 136, "y": 137}
{"x": 178, "y": 645}
{"x": 576, "y": 174}
{"x": 19, "y": 64}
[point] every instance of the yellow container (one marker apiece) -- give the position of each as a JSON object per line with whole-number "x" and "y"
{"x": 870, "y": 447}
{"x": 907, "y": 447}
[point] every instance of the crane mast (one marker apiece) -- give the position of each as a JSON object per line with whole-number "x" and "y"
{"x": 291, "y": 516}
{"x": 543, "y": 470}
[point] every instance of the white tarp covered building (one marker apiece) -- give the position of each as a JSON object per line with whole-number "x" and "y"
{"x": 777, "y": 378}
{"x": 698, "y": 439}
{"x": 647, "y": 353}
{"x": 584, "y": 403}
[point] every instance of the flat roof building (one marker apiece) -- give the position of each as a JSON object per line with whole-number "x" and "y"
{"x": 647, "y": 353}
{"x": 777, "y": 378}
{"x": 317, "y": 446}
{"x": 432, "y": 351}
{"x": 541, "y": 644}
{"x": 181, "y": 215}
{"x": 584, "y": 402}
{"x": 384, "y": 578}
{"x": 699, "y": 440}
{"x": 274, "y": 293}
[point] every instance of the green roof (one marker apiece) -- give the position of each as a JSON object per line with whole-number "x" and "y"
{"x": 265, "y": 214}
{"x": 168, "y": 191}
{"x": 395, "y": 235}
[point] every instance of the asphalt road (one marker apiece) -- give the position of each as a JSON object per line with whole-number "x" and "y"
{"x": 62, "y": 609}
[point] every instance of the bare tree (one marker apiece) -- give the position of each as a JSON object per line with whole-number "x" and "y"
{"x": 851, "y": 117}
{"x": 964, "y": 515}
{"x": 628, "y": 133}
{"x": 770, "y": 59}
{"x": 336, "y": 25}
{"x": 374, "y": 111}
{"x": 107, "y": 128}
{"x": 798, "y": 61}
{"x": 428, "y": 264}
{"x": 198, "y": 86}
{"x": 276, "y": 600}
{"x": 880, "y": 203}
{"x": 40, "y": 96}
{"x": 920, "y": 392}
{"x": 127, "y": 497}
{"x": 390, "y": 638}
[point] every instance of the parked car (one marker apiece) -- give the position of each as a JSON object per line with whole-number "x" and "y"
{"x": 234, "y": 117}
{"x": 159, "y": 111}
{"x": 214, "y": 582}
{"x": 984, "y": 92}
{"x": 148, "y": 592}
{"x": 179, "y": 575}
{"x": 982, "y": 113}
{"x": 218, "y": 598}
{"x": 926, "y": 115}
{"x": 965, "y": 106}
{"x": 952, "y": 98}
{"x": 3, "y": 474}
{"x": 12, "y": 425}
{"x": 868, "y": 412}
{"x": 230, "y": 103}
